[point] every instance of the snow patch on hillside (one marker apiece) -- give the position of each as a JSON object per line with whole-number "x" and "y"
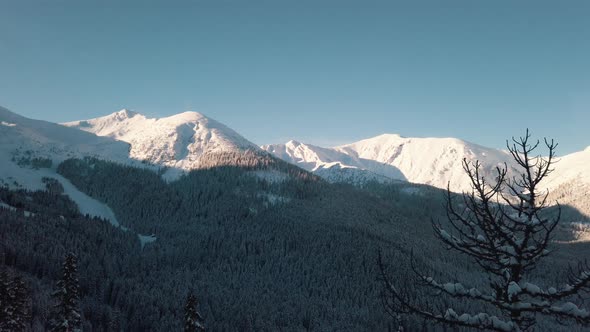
{"x": 146, "y": 239}
{"x": 25, "y": 140}
{"x": 16, "y": 177}
{"x": 580, "y": 231}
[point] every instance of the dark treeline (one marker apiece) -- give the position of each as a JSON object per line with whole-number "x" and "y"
{"x": 34, "y": 240}
{"x": 262, "y": 251}
{"x": 260, "y": 254}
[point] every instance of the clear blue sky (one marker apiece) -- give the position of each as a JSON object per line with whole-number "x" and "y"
{"x": 323, "y": 72}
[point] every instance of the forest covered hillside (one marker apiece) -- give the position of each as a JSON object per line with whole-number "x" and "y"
{"x": 261, "y": 254}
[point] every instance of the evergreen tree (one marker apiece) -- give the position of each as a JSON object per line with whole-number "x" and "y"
{"x": 66, "y": 314}
{"x": 14, "y": 311}
{"x": 6, "y": 308}
{"x": 193, "y": 321}
{"x": 20, "y": 302}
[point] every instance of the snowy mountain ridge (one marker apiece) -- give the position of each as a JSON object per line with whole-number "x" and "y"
{"x": 42, "y": 139}
{"x": 333, "y": 165}
{"x": 190, "y": 140}
{"x": 432, "y": 161}
{"x": 177, "y": 141}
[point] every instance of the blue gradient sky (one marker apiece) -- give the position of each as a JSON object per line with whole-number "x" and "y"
{"x": 323, "y": 72}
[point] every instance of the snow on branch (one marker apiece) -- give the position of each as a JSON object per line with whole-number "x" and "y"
{"x": 503, "y": 227}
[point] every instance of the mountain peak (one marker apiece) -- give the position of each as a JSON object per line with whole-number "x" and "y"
{"x": 389, "y": 135}
{"x": 124, "y": 114}
{"x": 293, "y": 143}
{"x": 177, "y": 141}
{"x": 185, "y": 117}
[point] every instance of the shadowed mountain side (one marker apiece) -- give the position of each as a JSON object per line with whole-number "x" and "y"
{"x": 574, "y": 224}
{"x": 380, "y": 168}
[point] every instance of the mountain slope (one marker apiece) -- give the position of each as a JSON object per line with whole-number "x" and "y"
{"x": 571, "y": 167}
{"x": 178, "y": 141}
{"x": 333, "y": 165}
{"x": 30, "y": 150}
{"x": 569, "y": 184}
{"x": 49, "y": 140}
{"x": 432, "y": 161}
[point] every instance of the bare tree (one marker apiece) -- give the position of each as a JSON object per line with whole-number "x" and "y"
{"x": 504, "y": 227}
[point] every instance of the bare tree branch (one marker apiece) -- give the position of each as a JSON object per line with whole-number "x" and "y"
{"x": 503, "y": 227}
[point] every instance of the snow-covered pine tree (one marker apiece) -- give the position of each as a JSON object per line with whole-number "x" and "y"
{"x": 22, "y": 314}
{"x": 6, "y": 306}
{"x": 193, "y": 321}
{"x": 65, "y": 316}
{"x": 14, "y": 309}
{"x": 504, "y": 226}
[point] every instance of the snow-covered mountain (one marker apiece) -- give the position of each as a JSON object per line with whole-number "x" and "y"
{"x": 432, "y": 161}
{"x": 20, "y": 136}
{"x": 572, "y": 167}
{"x": 179, "y": 141}
{"x": 191, "y": 140}
{"x": 30, "y": 151}
{"x": 569, "y": 184}
{"x": 333, "y": 165}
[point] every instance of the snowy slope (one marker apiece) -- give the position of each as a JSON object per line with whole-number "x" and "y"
{"x": 44, "y": 139}
{"x": 21, "y": 177}
{"x": 432, "y": 161}
{"x": 569, "y": 184}
{"x": 332, "y": 165}
{"x": 23, "y": 139}
{"x": 572, "y": 167}
{"x": 178, "y": 141}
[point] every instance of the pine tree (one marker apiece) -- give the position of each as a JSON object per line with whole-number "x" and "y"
{"x": 14, "y": 309}
{"x": 20, "y": 300}
{"x": 66, "y": 313}
{"x": 6, "y": 307}
{"x": 193, "y": 321}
